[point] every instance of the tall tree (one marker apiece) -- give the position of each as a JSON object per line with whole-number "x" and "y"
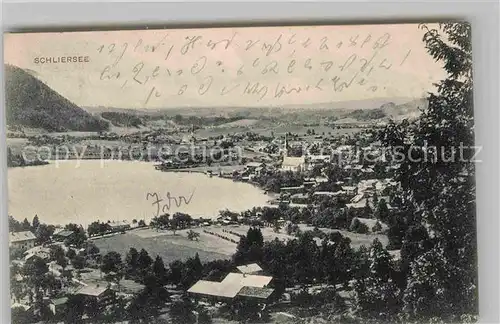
{"x": 439, "y": 182}
{"x": 159, "y": 270}
{"x": 131, "y": 262}
{"x": 26, "y": 226}
{"x": 377, "y": 295}
{"x": 43, "y": 232}
{"x": 36, "y": 222}
{"x": 111, "y": 262}
{"x": 144, "y": 261}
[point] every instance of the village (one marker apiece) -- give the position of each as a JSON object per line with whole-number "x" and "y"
{"x": 348, "y": 190}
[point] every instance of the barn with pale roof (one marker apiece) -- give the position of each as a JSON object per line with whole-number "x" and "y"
{"x": 236, "y": 285}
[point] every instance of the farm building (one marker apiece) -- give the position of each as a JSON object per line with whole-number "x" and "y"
{"x": 102, "y": 295}
{"x": 62, "y": 235}
{"x": 252, "y": 268}
{"x": 236, "y": 286}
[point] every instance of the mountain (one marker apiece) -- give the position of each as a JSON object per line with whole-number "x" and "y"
{"x": 31, "y": 103}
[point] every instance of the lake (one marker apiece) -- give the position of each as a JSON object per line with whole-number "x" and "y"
{"x": 88, "y": 190}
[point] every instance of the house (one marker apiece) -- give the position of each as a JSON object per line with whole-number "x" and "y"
{"x": 235, "y": 286}
{"x": 357, "y": 198}
{"x": 291, "y": 190}
{"x": 350, "y": 190}
{"x": 102, "y": 295}
{"x": 21, "y": 241}
{"x": 299, "y": 198}
{"x": 118, "y": 226}
{"x": 59, "y": 305}
{"x": 318, "y": 160}
{"x": 252, "y": 268}
{"x": 362, "y": 203}
{"x": 330, "y": 194}
{"x": 24, "y": 306}
{"x": 214, "y": 290}
{"x": 321, "y": 179}
{"x": 255, "y": 293}
{"x": 38, "y": 251}
{"x": 251, "y": 166}
{"x": 242, "y": 280}
{"x": 62, "y": 235}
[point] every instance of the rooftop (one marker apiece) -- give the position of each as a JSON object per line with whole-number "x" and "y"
{"x": 255, "y": 292}
{"x": 64, "y": 233}
{"x": 249, "y": 268}
{"x": 239, "y": 279}
{"x": 213, "y": 288}
{"x": 328, "y": 193}
{"x": 95, "y": 291}
{"x": 254, "y": 164}
{"x": 21, "y": 236}
{"x": 293, "y": 161}
{"x": 59, "y": 301}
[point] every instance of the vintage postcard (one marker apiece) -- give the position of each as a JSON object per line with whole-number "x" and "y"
{"x": 294, "y": 174}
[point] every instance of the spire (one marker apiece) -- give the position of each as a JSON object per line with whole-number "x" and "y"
{"x": 286, "y": 144}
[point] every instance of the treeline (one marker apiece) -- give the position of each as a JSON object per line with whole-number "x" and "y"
{"x": 274, "y": 181}
{"x": 101, "y": 228}
{"x": 198, "y": 121}
{"x": 367, "y": 114}
{"x": 122, "y": 119}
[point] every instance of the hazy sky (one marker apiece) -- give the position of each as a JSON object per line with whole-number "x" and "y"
{"x": 229, "y": 66}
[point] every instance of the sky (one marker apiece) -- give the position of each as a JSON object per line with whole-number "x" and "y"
{"x": 244, "y": 66}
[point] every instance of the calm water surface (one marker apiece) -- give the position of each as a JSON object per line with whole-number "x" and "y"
{"x": 85, "y": 191}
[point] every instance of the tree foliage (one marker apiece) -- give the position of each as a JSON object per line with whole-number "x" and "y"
{"x": 438, "y": 184}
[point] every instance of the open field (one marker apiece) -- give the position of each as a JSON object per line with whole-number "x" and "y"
{"x": 170, "y": 247}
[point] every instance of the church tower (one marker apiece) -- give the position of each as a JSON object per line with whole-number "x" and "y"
{"x": 285, "y": 150}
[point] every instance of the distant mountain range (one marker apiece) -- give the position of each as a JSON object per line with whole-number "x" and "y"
{"x": 372, "y": 103}
{"x": 380, "y": 109}
{"x": 31, "y": 103}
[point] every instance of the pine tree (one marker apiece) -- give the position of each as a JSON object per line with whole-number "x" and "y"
{"x": 36, "y": 222}
{"x": 159, "y": 269}
{"x": 131, "y": 262}
{"x": 26, "y": 226}
{"x": 144, "y": 262}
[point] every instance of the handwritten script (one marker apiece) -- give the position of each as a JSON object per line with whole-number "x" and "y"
{"x": 256, "y": 68}
{"x": 163, "y": 205}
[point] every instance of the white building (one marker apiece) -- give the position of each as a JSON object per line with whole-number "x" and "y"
{"x": 22, "y": 240}
{"x": 294, "y": 164}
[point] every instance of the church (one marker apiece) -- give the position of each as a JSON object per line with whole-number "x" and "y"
{"x": 291, "y": 163}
